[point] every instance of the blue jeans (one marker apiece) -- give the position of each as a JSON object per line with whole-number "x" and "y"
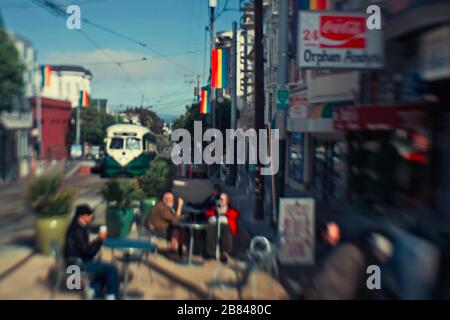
{"x": 104, "y": 275}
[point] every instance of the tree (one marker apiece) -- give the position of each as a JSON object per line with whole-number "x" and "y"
{"x": 93, "y": 125}
{"x": 11, "y": 70}
{"x": 192, "y": 113}
{"x": 148, "y": 118}
{"x": 162, "y": 142}
{"x": 158, "y": 178}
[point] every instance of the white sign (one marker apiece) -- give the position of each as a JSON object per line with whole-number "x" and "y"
{"x": 298, "y": 106}
{"x": 296, "y": 229}
{"x": 76, "y": 151}
{"x": 338, "y": 40}
{"x": 435, "y": 54}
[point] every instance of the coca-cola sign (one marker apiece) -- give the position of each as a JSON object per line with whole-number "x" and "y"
{"x": 338, "y": 40}
{"x": 342, "y": 32}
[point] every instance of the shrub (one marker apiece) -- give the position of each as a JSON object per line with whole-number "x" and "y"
{"x": 120, "y": 193}
{"x": 158, "y": 178}
{"x": 47, "y": 197}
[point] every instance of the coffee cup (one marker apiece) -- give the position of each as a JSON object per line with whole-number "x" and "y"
{"x": 103, "y": 231}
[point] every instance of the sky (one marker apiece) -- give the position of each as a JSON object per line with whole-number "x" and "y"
{"x": 173, "y": 30}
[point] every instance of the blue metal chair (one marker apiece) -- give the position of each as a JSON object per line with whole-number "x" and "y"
{"x": 60, "y": 269}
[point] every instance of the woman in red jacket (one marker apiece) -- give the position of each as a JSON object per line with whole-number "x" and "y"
{"x": 229, "y": 226}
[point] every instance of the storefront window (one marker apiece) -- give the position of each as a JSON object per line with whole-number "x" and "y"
{"x": 391, "y": 169}
{"x": 296, "y": 157}
{"x": 329, "y": 168}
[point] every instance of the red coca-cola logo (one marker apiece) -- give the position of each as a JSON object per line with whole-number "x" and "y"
{"x": 342, "y": 32}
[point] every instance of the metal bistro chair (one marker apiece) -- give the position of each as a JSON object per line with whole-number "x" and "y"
{"x": 60, "y": 269}
{"x": 261, "y": 255}
{"x": 144, "y": 233}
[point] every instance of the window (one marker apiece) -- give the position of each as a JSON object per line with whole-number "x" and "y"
{"x": 116, "y": 144}
{"x": 133, "y": 144}
{"x": 296, "y": 157}
{"x": 329, "y": 168}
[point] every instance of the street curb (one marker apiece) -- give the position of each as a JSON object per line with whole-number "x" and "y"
{"x": 72, "y": 171}
{"x": 17, "y": 266}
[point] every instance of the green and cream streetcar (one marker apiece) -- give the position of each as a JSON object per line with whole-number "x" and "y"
{"x": 129, "y": 150}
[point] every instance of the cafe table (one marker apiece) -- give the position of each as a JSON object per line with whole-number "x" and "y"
{"x": 128, "y": 247}
{"x": 191, "y": 211}
{"x": 191, "y": 226}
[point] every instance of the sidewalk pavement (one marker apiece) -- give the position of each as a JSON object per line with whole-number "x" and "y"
{"x": 293, "y": 277}
{"x": 24, "y": 275}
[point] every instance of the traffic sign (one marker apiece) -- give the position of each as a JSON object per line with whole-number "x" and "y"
{"x": 283, "y": 97}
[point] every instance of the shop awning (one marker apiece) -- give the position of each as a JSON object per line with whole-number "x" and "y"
{"x": 319, "y": 118}
{"x": 16, "y": 121}
{"x": 323, "y": 110}
{"x": 377, "y": 117}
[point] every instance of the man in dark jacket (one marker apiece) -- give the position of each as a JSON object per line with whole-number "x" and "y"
{"x": 78, "y": 246}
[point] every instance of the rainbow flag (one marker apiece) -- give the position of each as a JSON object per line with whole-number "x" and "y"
{"x": 220, "y": 68}
{"x": 46, "y": 73}
{"x": 204, "y": 100}
{"x": 84, "y": 99}
{"x": 314, "y": 4}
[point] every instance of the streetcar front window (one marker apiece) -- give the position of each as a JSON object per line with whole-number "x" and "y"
{"x": 116, "y": 144}
{"x": 133, "y": 144}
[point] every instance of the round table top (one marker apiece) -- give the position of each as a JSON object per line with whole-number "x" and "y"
{"x": 189, "y": 209}
{"x": 127, "y": 244}
{"x": 192, "y": 225}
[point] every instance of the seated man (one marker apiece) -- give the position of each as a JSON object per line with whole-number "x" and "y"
{"x": 162, "y": 219}
{"x": 77, "y": 246}
{"x": 228, "y": 219}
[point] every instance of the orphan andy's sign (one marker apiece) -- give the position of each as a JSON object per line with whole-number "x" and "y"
{"x": 339, "y": 40}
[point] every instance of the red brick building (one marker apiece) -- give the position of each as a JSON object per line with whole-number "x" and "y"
{"x": 56, "y": 117}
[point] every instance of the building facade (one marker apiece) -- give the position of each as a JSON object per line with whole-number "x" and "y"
{"x": 28, "y": 57}
{"x": 56, "y": 118}
{"x": 66, "y": 83}
{"x": 371, "y": 138}
{"x": 15, "y": 126}
{"x": 15, "y": 153}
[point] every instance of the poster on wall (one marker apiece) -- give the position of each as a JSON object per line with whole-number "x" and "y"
{"x": 298, "y": 105}
{"x": 338, "y": 40}
{"x": 296, "y": 229}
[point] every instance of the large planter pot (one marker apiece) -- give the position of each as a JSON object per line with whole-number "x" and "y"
{"x": 49, "y": 230}
{"x": 147, "y": 205}
{"x": 119, "y": 221}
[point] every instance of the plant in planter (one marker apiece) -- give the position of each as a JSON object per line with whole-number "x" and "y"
{"x": 156, "y": 180}
{"x": 51, "y": 202}
{"x": 120, "y": 195}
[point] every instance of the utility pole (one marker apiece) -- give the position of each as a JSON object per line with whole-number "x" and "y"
{"x": 233, "y": 77}
{"x": 197, "y": 92}
{"x": 233, "y": 94}
{"x": 77, "y": 137}
{"x": 282, "y": 81}
{"x": 39, "y": 122}
{"x": 259, "y": 103}
{"x": 212, "y": 12}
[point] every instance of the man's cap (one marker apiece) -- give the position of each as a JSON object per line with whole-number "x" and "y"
{"x": 83, "y": 209}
